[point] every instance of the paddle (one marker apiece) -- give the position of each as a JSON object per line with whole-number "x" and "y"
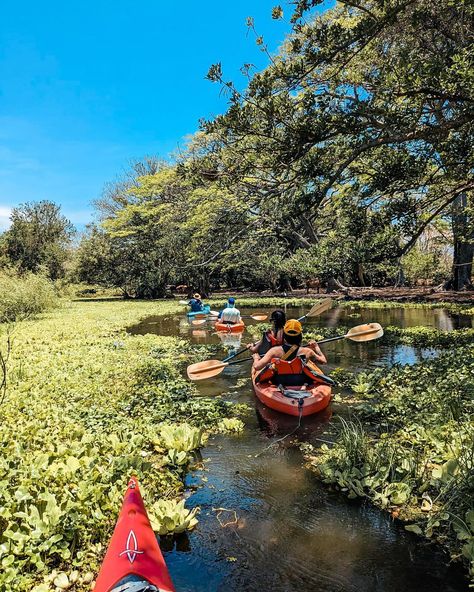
{"x": 210, "y": 368}
{"x": 317, "y": 309}
{"x": 183, "y": 302}
{"x": 360, "y": 333}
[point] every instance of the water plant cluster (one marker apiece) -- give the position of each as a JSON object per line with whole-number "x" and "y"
{"x": 408, "y": 447}
{"x": 88, "y": 405}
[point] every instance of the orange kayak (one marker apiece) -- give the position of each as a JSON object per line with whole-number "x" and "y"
{"x": 319, "y": 397}
{"x": 133, "y": 560}
{"x": 229, "y": 328}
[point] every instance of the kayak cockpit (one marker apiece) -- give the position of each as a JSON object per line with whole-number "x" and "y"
{"x": 134, "y": 583}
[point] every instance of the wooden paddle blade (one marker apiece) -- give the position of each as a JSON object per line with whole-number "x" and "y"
{"x": 320, "y": 307}
{"x": 366, "y": 332}
{"x": 183, "y": 302}
{"x": 200, "y": 315}
{"x": 259, "y": 316}
{"x": 198, "y": 321}
{"x": 206, "y": 369}
{"x": 214, "y": 313}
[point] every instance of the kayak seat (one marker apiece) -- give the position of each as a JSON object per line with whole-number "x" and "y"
{"x": 134, "y": 583}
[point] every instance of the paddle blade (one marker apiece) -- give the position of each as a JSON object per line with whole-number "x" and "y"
{"x": 366, "y": 332}
{"x": 183, "y": 302}
{"x": 206, "y": 369}
{"x": 320, "y": 307}
{"x": 259, "y": 316}
{"x": 198, "y": 321}
{"x": 214, "y": 313}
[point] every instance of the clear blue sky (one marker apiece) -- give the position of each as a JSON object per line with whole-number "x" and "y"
{"x": 86, "y": 86}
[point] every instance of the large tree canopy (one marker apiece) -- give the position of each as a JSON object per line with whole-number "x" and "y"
{"x": 374, "y": 96}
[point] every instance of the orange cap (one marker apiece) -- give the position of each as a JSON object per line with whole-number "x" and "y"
{"x": 293, "y": 327}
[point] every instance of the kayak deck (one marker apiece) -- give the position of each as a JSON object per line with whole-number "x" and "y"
{"x": 229, "y": 328}
{"x": 133, "y": 555}
{"x": 206, "y": 309}
{"x": 270, "y": 395}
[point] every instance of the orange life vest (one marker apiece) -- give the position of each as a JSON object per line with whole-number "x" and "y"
{"x": 290, "y": 373}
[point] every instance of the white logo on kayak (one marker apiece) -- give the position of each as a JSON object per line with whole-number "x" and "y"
{"x": 131, "y": 548}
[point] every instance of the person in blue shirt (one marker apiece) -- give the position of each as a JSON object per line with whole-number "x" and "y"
{"x": 196, "y": 303}
{"x": 230, "y": 314}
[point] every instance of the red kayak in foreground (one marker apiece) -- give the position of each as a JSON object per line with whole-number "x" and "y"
{"x": 133, "y": 562}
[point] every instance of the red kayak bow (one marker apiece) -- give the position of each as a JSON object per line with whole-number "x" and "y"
{"x": 133, "y": 556}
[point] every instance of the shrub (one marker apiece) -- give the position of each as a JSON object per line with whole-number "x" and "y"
{"x": 26, "y": 295}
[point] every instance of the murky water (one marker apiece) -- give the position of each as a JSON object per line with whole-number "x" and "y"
{"x": 266, "y": 523}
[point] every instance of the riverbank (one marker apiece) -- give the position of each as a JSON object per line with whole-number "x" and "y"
{"x": 390, "y": 294}
{"x": 81, "y": 414}
{"x": 408, "y": 446}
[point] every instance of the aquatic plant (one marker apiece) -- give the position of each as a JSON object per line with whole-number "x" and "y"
{"x": 171, "y": 517}
{"x": 182, "y": 437}
{"x": 231, "y": 424}
{"x": 409, "y": 447}
{"x": 79, "y": 418}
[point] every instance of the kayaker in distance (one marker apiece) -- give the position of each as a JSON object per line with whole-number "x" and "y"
{"x": 289, "y": 364}
{"x": 271, "y": 337}
{"x": 196, "y": 303}
{"x": 230, "y": 314}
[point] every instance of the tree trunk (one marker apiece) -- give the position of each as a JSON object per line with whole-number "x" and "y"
{"x": 463, "y": 237}
{"x": 333, "y": 285}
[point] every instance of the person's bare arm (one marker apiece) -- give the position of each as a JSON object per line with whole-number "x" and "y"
{"x": 259, "y": 363}
{"x": 316, "y": 353}
{"x": 253, "y": 347}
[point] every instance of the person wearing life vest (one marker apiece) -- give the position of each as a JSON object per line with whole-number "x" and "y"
{"x": 271, "y": 337}
{"x": 230, "y": 314}
{"x": 290, "y": 364}
{"x": 196, "y": 303}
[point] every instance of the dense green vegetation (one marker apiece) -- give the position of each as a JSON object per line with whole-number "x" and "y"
{"x": 408, "y": 445}
{"x": 86, "y": 406}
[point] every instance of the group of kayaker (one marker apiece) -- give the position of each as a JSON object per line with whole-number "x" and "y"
{"x": 279, "y": 349}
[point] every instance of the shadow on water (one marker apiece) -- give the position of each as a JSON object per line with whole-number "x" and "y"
{"x": 266, "y": 523}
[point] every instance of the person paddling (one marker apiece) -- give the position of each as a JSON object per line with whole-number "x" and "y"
{"x": 272, "y": 337}
{"x": 196, "y": 303}
{"x": 289, "y": 364}
{"x": 230, "y": 314}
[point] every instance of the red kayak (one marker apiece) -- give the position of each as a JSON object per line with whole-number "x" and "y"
{"x": 133, "y": 562}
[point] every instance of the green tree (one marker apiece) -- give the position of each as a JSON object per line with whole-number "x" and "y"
{"x": 372, "y": 100}
{"x": 39, "y": 237}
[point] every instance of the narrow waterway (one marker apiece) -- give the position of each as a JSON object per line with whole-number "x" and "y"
{"x": 266, "y": 523}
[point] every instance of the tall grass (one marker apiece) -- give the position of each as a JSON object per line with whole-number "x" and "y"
{"x": 23, "y": 296}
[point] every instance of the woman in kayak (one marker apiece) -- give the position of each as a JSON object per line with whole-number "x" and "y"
{"x": 196, "y": 303}
{"x": 230, "y": 314}
{"x": 291, "y": 356}
{"x": 271, "y": 337}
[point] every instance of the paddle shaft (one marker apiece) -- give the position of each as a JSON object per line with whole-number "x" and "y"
{"x": 219, "y": 366}
{"x": 328, "y": 339}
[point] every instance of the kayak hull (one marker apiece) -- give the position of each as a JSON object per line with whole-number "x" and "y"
{"x": 133, "y": 553}
{"x": 227, "y": 328}
{"x": 270, "y": 396}
{"x": 206, "y": 309}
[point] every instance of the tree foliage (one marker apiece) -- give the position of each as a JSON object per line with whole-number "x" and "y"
{"x": 39, "y": 237}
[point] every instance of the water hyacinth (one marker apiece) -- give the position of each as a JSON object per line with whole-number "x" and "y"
{"x": 182, "y": 437}
{"x": 171, "y": 517}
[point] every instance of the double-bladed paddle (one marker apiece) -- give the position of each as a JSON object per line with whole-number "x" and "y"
{"x": 210, "y": 368}
{"x": 317, "y": 309}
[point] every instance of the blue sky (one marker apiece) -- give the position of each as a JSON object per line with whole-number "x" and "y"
{"x": 86, "y": 86}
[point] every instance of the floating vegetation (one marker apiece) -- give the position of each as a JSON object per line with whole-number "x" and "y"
{"x": 79, "y": 417}
{"x": 409, "y": 447}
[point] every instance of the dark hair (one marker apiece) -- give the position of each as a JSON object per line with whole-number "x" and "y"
{"x": 293, "y": 339}
{"x": 279, "y": 319}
